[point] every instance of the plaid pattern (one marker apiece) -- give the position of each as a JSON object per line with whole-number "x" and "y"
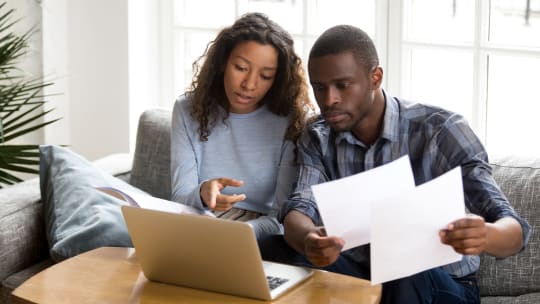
{"x": 436, "y": 141}
{"x": 236, "y": 214}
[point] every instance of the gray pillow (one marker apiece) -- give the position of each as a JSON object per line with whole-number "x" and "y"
{"x": 78, "y": 217}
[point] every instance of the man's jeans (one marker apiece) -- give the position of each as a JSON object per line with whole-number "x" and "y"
{"x": 431, "y": 286}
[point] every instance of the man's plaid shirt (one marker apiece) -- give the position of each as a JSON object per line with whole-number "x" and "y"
{"x": 436, "y": 141}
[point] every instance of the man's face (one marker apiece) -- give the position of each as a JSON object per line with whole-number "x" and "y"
{"x": 344, "y": 90}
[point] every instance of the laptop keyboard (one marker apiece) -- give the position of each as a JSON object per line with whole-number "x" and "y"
{"x": 274, "y": 282}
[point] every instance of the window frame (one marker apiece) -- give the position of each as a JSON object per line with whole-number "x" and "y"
{"x": 391, "y": 44}
{"x": 480, "y": 48}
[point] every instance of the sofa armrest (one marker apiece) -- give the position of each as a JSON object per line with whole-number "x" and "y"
{"x": 118, "y": 165}
{"x": 22, "y": 233}
{"x": 115, "y": 164}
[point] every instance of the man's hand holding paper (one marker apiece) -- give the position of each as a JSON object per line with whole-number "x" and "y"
{"x": 405, "y": 229}
{"x": 410, "y": 228}
{"x": 466, "y": 235}
{"x": 322, "y": 250}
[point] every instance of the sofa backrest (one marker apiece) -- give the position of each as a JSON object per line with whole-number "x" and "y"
{"x": 151, "y": 161}
{"x": 519, "y": 179}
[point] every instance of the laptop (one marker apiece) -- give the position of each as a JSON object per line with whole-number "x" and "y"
{"x": 207, "y": 253}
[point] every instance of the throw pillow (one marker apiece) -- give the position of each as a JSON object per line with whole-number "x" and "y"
{"x": 78, "y": 217}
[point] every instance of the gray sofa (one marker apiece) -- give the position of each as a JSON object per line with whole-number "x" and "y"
{"x": 23, "y": 245}
{"x": 516, "y": 279}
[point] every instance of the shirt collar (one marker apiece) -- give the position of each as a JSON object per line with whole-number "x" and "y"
{"x": 390, "y": 125}
{"x": 391, "y": 118}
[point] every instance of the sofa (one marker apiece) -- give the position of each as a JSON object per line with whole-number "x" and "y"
{"x": 24, "y": 249}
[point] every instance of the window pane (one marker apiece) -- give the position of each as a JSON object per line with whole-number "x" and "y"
{"x": 440, "y": 20}
{"x": 299, "y": 48}
{"x": 512, "y": 116}
{"x": 442, "y": 78}
{"x": 189, "y": 46}
{"x": 287, "y": 13}
{"x": 323, "y": 14}
{"x": 196, "y": 13}
{"x": 515, "y": 22}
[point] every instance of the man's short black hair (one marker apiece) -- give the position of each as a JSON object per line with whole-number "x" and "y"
{"x": 346, "y": 38}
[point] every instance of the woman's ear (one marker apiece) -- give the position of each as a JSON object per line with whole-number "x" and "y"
{"x": 376, "y": 77}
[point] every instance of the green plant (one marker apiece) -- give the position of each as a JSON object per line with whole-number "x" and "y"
{"x": 21, "y": 104}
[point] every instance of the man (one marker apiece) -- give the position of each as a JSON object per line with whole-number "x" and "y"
{"x": 361, "y": 127}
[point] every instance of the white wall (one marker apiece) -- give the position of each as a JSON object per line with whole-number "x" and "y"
{"x": 145, "y": 66}
{"x": 85, "y": 49}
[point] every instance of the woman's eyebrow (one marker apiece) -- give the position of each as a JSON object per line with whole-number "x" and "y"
{"x": 268, "y": 68}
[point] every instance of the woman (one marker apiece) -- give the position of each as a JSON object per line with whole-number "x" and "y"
{"x": 233, "y": 132}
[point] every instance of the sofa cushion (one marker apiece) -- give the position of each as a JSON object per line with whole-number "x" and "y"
{"x": 530, "y": 298}
{"x": 16, "y": 279}
{"x": 78, "y": 217}
{"x": 519, "y": 179}
{"x": 22, "y": 234}
{"x": 152, "y": 159}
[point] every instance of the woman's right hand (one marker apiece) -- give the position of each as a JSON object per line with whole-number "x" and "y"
{"x": 212, "y": 197}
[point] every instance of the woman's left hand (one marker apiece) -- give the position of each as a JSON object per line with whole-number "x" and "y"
{"x": 212, "y": 197}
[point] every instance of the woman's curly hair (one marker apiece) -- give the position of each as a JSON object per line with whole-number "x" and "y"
{"x": 288, "y": 94}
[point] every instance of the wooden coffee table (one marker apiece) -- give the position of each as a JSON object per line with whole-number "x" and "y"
{"x": 113, "y": 275}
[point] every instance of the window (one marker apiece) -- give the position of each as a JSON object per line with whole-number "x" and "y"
{"x": 304, "y": 19}
{"x": 478, "y": 58}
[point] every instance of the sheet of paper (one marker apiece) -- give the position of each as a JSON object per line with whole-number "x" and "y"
{"x": 344, "y": 204}
{"x": 150, "y": 202}
{"x": 404, "y": 231}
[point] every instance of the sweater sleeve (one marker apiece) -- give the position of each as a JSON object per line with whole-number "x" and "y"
{"x": 287, "y": 173}
{"x": 286, "y": 178}
{"x": 185, "y": 185}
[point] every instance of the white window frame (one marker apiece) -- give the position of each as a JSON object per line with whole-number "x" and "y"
{"x": 398, "y": 68}
{"x": 390, "y": 42}
{"x": 481, "y": 49}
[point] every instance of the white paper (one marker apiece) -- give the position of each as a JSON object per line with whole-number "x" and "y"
{"x": 405, "y": 228}
{"x": 150, "y": 202}
{"x": 344, "y": 204}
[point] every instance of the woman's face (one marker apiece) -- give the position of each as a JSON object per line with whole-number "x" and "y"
{"x": 249, "y": 74}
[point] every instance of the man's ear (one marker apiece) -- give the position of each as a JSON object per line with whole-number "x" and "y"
{"x": 376, "y": 77}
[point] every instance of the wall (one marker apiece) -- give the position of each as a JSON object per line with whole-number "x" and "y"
{"x": 145, "y": 53}
{"x": 85, "y": 52}
{"x": 104, "y": 58}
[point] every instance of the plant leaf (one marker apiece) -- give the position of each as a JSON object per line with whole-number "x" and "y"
{"x": 21, "y": 103}
{"x": 8, "y": 179}
{"x": 28, "y": 130}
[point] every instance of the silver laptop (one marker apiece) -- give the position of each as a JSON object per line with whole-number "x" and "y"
{"x": 206, "y": 253}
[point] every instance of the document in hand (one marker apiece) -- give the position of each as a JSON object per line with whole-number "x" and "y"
{"x": 383, "y": 207}
{"x": 405, "y": 228}
{"x": 345, "y": 204}
{"x": 150, "y": 202}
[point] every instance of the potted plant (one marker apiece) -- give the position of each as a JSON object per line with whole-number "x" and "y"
{"x": 21, "y": 104}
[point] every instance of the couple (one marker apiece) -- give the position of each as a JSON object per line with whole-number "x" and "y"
{"x": 241, "y": 146}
